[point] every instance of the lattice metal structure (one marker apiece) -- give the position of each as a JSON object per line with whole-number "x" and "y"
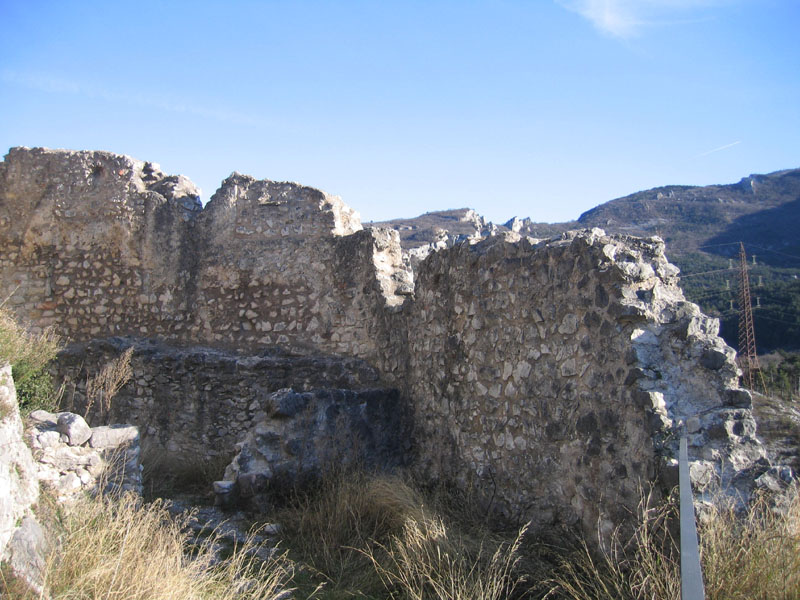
{"x": 748, "y": 360}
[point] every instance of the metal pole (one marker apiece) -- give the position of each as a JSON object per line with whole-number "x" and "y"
{"x": 691, "y": 571}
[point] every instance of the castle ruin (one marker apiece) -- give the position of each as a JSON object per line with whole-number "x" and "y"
{"x": 553, "y": 375}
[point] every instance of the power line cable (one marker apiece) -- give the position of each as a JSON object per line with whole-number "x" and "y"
{"x": 774, "y": 251}
{"x": 776, "y": 320}
{"x": 768, "y": 308}
{"x": 706, "y": 273}
{"x": 718, "y": 245}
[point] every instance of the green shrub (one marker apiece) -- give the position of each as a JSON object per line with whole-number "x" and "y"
{"x": 35, "y": 389}
{"x": 29, "y": 353}
{"x": 20, "y": 345}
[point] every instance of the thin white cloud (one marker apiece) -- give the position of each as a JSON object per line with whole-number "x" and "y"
{"x": 725, "y": 147}
{"x": 44, "y": 82}
{"x": 630, "y": 18}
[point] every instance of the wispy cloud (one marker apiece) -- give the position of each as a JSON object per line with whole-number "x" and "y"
{"x": 630, "y": 18}
{"x": 725, "y": 147}
{"x": 51, "y": 84}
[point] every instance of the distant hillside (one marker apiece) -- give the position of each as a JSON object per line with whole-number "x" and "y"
{"x": 760, "y": 209}
{"x": 702, "y": 227}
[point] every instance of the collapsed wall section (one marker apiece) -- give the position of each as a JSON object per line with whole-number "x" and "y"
{"x": 279, "y": 263}
{"x": 199, "y": 401}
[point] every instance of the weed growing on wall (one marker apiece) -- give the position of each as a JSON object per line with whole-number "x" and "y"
{"x": 102, "y": 388}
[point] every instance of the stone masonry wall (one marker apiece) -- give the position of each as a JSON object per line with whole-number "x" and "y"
{"x": 197, "y": 401}
{"x": 552, "y": 374}
{"x": 97, "y": 244}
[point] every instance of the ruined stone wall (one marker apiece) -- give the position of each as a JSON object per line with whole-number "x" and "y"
{"x": 97, "y": 244}
{"x": 92, "y": 242}
{"x": 553, "y": 375}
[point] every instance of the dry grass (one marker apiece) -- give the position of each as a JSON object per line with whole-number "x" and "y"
{"x": 755, "y": 555}
{"x": 330, "y": 526}
{"x": 128, "y": 550}
{"x": 752, "y": 556}
{"x": 167, "y": 474}
{"x": 102, "y": 388}
{"x": 639, "y": 566}
{"x": 428, "y": 561}
{"x": 19, "y": 345}
{"x": 379, "y": 537}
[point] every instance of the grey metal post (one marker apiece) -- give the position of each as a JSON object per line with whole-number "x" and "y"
{"x": 691, "y": 571}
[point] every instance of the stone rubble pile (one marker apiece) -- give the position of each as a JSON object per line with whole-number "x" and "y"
{"x": 60, "y": 452}
{"x": 73, "y": 458}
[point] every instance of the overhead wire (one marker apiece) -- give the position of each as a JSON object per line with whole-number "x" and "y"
{"x": 774, "y": 251}
{"x": 760, "y": 316}
{"x": 707, "y": 272}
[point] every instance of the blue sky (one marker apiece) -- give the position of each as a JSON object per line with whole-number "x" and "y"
{"x": 537, "y": 108}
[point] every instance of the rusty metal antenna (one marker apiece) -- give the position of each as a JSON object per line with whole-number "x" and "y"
{"x": 748, "y": 359}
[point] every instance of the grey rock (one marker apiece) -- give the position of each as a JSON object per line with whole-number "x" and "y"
{"x": 713, "y": 359}
{"x": 19, "y": 487}
{"x": 28, "y": 549}
{"x": 310, "y": 432}
{"x": 113, "y": 436}
{"x": 75, "y": 428}
{"x": 43, "y": 417}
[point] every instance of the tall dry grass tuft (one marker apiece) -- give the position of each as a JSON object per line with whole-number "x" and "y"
{"x": 329, "y": 526}
{"x": 427, "y": 561}
{"x": 378, "y": 536}
{"x": 756, "y": 555}
{"x": 744, "y": 556}
{"x": 20, "y": 345}
{"x": 125, "y": 549}
{"x": 102, "y": 388}
{"x": 641, "y": 566}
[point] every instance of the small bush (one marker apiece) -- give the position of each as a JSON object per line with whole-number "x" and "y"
{"x": 35, "y": 389}
{"x": 19, "y": 345}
